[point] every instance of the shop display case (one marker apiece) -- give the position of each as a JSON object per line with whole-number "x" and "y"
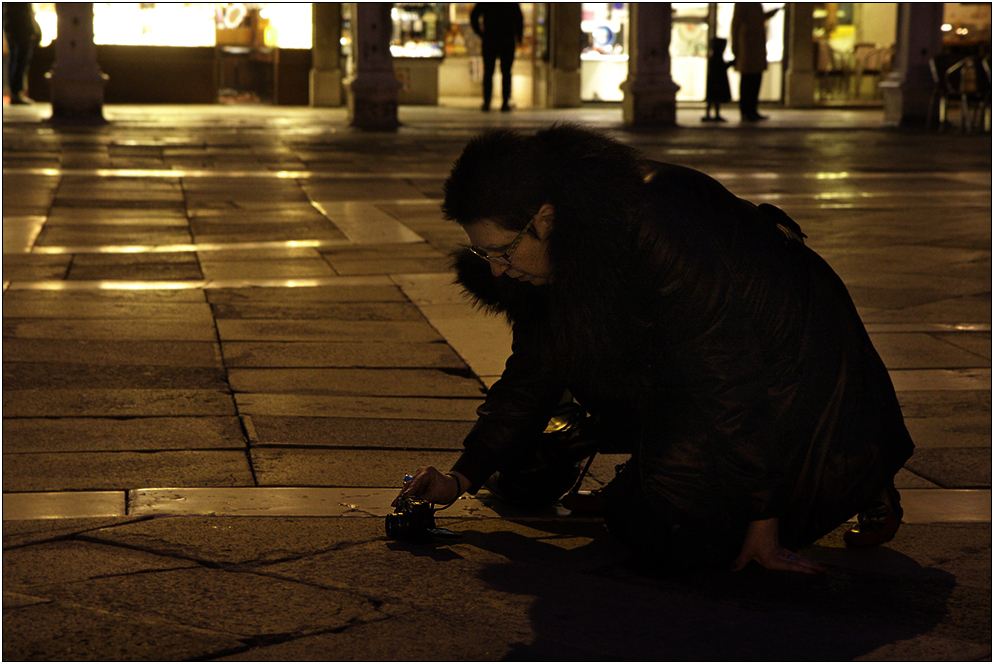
{"x": 417, "y": 43}
{"x": 604, "y": 59}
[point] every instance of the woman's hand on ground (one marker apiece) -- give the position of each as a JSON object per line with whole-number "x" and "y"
{"x": 432, "y": 485}
{"x": 762, "y": 544}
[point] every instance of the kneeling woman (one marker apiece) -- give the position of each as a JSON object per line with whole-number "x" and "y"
{"x": 696, "y": 329}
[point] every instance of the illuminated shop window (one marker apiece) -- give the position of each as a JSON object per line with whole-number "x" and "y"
{"x": 281, "y": 24}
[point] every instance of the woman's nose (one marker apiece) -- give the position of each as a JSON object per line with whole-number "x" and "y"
{"x": 497, "y": 269}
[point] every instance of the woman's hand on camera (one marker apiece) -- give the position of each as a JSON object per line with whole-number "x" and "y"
{"x": 432, "y": 485}
{"x": 762, "y": 544}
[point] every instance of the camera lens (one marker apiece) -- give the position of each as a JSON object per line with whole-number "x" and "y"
{"x": 397, "y": 526}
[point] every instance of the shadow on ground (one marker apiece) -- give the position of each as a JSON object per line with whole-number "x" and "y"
{"x": 613, "y": 611}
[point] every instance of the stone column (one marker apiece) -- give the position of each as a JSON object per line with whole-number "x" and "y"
{"x": 375, "y": 88}
{"x": 908, "y": 88}
{"x": 77, "y": 84}
{"x": 564, "y": 54}
{"x": 326, "y": 54}
{"x": 799, "y": 85}
{"x": 650, "y": 92}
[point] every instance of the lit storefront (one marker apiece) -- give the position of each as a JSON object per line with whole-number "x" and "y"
{"x": 261, "y": 52}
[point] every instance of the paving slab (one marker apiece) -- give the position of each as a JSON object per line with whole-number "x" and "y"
{"x": 953, "y": 467}
{"x": 360, "y": 382}
{"x": 288, "y": 269}
{"x": 18, "y": 533}
{"x": 451, "y": 636}
{"x": 906, "y": 380}
{"x": 116, "y": 403}
{"x": 32, "y": 267}
{"x": 358, "y": 432}
{"x": 70, "y": 309}
{"x": 96, "y": 352}
{"x": 82, "y": 296}
{"x": 954, "y": 310}
{"x": 96, "y": 471}
{"x": 357, "y": 311}
{"x": 92, "y": 235}
{"x": 945, "y": 403}
{"x": 218, "y": 233}
{"x": 57, "y": 632}
{"x": 150, "y": 329}
{"x": 218, "y": 600}
{"x": 49, "y": 563}
{"x": 340, "y": 354}
{"x": 341, "y": 468}
{"x": 241, "y": 540}
{"x": 94, "y": 434}
{"x": 961, "y": 430}
{"x": 326, "y": 330}
{"x": 63, "y": 216}
{"x": 349, "y": 289}
{"x": 34, "y": 375}
{"x": 387, "y": 408}
{"x": 263, "y": 254}
{"x": 909, "y": 350}
{"x": 978, "y": 343}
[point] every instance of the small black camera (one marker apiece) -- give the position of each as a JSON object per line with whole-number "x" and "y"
{"x": 412, "y": 520}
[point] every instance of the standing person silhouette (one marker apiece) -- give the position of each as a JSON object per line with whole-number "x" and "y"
{"x": 501, "y": 31}
{"x": 749, "y": 49}
{"x": 718, "y": 91}
{"x": 23, "y": 35}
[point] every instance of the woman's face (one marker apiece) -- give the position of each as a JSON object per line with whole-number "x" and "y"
{"x": 529, "y": 260}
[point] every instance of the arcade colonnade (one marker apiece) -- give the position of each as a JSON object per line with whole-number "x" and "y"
{"x": 371, "y": 94}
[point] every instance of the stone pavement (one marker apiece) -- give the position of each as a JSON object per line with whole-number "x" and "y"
{"x": 229, "y": 332}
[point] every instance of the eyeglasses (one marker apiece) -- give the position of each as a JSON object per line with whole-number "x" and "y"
{"x": 504, "y": 258}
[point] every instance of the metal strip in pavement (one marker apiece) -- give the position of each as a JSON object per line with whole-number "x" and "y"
{"x": 920, "y": 505}
{"x": 64, "y": 505}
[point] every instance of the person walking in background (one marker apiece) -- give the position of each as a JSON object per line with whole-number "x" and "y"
{"x": 501, "y": 31}
{"x": 23, "y": 34}
{"x": 749, "y": 49}
{"x": 718, "y": 91}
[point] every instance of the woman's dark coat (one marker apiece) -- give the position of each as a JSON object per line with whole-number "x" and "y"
{"x": 726, "y": 353}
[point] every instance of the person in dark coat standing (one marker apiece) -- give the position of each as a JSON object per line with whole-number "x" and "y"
{"x": 749, "y": 49}
{"x": 698, "y": 332}
{"x": 23, "y": 34}
{"x": 500, "y": 26}
{"x": 718, "y": 91}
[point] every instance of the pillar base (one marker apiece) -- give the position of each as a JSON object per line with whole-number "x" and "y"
{"x": 906, "y": 102}
{"x": 77, "y": 100}
{"x": 326, "y": 88}
{"x": 564, "y": 89}
{"x": 373, "y": 101}
{"x": 799, "y": 89}
{"x": 649, "y": 103}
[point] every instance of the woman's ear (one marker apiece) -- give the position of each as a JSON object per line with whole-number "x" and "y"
{"x": 544, "y": 221}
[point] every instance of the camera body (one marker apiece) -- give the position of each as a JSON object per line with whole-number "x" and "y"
{"x": 412, "y": 520}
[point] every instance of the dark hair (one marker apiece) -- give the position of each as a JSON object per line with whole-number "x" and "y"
{"x": 496, "y": 178}
{"x": 505, "y": 176}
